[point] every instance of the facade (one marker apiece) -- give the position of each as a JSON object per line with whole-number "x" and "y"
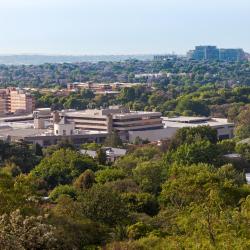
{"x": 232, "y": 55}
{"x": 19, "y": 101}
{"x": 204, "y": 53}
{"x": 225, "y": 129}
{"x": 116, "y": 119}
{"x": 212, "y": 53}
{"x": 15, "y": 101}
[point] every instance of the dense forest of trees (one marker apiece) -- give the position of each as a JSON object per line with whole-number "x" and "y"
{"x": 184, "y": 194}
{"x": 125, "y": 71}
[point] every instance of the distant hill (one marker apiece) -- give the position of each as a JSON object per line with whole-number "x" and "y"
{"x": 41, "y": 59}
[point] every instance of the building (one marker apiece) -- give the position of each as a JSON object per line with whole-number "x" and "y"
{"x": 112, "y": 154}
{"x": 165, "y": 57}
{"x": 212, "y": 53}
{"x": 20, "y": 102}
{"x": 114, "y": 118}
{"x": 16, "y": 101}
{"x": 46, "y": 132}
{"x": 225, "y": 129}
{"x": 232, "y": 55}
{"x": 204, "y": 53}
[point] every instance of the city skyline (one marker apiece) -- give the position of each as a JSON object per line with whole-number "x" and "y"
{"x": 121, "y": 28}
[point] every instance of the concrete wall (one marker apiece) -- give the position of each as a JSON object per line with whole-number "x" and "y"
{"x": 153, "y": 135}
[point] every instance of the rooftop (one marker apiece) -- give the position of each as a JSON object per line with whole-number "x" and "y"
{"x": 183, "y": 121}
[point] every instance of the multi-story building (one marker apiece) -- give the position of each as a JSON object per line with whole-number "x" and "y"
{"x": 204, "y": 53}
{"x": 19, "y": 101}
{"x": 15, "y": 101}
{"x": 116, "y": 119}
{"x": 225, "y": 129}
{"x": 3, "y": 102}
{"x": 212, "y": 53}
{"x": 232, "y": 55}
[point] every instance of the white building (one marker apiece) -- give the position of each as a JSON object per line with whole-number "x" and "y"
{"x": 225, "y": 129}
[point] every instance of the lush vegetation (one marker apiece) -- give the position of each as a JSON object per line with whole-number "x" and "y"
{"x": 183, "y": 195}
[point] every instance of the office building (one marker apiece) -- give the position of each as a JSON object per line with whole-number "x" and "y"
{"x": 225, "y": 129}
{"x": 204, "y": 53}
{"x": 212, "y": 53}
{"x": 114, "y": 118}
{"x": 232, "y": 55}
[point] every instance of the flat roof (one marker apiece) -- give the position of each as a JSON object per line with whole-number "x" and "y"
{"x": 32, "y": 132}
{"x": 186, "y": 119}
{"x": 212, "y": 122}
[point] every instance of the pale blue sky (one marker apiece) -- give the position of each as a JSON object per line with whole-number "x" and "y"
{"x": 121, "y": 26}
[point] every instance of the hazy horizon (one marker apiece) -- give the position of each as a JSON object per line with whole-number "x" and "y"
{"x": 111, "y": 27}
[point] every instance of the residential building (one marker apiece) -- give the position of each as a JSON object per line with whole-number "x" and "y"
{"x": 15, "y": 101}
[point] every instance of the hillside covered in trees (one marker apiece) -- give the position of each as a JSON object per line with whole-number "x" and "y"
{"x": 183, "y": 194}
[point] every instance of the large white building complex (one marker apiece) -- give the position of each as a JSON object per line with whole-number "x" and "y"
{"x": 116, "y": 119}
{"x": 47, "y": 128}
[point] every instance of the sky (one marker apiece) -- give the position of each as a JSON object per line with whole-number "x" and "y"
{"x": 98, "y": 27}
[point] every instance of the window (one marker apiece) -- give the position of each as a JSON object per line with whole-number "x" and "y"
{"x": 57, "y": 132}
{"x": 64, "y": 132}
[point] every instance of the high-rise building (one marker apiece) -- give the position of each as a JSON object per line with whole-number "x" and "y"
{"x": 204, "y": 53}
{"x": 232, "y": 55}
{"x": 212, "y": 53}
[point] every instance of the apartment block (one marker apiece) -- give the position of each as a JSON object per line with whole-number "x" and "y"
{"x": 15, "y": 101}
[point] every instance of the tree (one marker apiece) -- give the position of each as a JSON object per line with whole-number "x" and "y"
{"x": 109, "y": 174}
{"x": 203, "y": 181}
{"x": 86, "y": 180}
{"x": 113, "y": 140}
{"x": 18, "y": 232}
{"x": 101, "y": 156}
{"x": 141, "y": 203}
{"x": 63, "y": 190}
{"x": 190, "y": 106}
{"x": 149, "y": 175}
{"x": 197, "y": 152}
{"x": 62, "y": 167}
{"x": 102, "y": 204}
{"x": 192, "y": 134}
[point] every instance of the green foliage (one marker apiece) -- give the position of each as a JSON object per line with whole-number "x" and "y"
{"x": 188, "y": 106}
{"x": 138, "y": 230}
{"x": 63, "y": 190}
{"x": 149, "y": 176}
{"x": 109, "y": 174}
{"x": 91, "y": 146}
{"x": 203, "y": 181}
{"x": 244, "y": 150}
{"x": 101, "y": 156}
{"x": 197, "y": 152}
{"x": 62, "y": 167}
{"x": 141, "y": 203}
{"x": 85, "y": 180}
{"x": 102, "y": 204}
{"x": 192, "y": 134}
{"x": 113, "y": 140}
{"x": 227, "y": 146}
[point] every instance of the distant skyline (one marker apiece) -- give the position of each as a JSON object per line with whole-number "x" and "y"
{"x": 121, "y": 27}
